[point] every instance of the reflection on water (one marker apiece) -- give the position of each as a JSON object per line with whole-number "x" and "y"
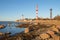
{"x": 10, "y": 27}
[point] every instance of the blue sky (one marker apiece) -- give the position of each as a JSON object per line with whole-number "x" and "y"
{"x": 11, "y": 10}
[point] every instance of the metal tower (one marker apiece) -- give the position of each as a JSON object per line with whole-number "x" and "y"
{"x": 51, "y": 13}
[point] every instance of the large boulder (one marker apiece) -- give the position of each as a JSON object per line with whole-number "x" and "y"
{"x": 2, "y": 26}
{"x": 1, "y": 33}
{"x": 44, "y": 36}
{"x": 54, "y": 28}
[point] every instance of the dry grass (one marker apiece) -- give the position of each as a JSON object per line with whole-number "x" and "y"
{"x": 50, "y": 22}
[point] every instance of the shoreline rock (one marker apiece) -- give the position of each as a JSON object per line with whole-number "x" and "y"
{"x": 2, "y": 26}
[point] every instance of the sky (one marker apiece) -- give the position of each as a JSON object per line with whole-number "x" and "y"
{"x": 11, "y": 10}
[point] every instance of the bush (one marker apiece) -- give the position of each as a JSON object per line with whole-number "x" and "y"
{"x": 57, "y": 17}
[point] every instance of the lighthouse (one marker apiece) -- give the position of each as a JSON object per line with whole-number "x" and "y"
{"x": 36, "y": 13}
{"x": 22, "y": 17}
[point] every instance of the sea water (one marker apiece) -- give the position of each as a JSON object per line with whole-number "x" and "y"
{"x": 10, "y": 26}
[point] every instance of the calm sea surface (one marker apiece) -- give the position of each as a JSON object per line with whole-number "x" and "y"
{"x": 11, "y": 28}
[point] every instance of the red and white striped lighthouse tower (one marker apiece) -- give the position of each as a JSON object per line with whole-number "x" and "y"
{"x": 37, "y": 14}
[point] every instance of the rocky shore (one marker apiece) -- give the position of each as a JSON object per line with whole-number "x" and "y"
{"x": 36, "y": 32}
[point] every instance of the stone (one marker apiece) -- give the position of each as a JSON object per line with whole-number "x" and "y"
{"x": 44, "y": 36}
